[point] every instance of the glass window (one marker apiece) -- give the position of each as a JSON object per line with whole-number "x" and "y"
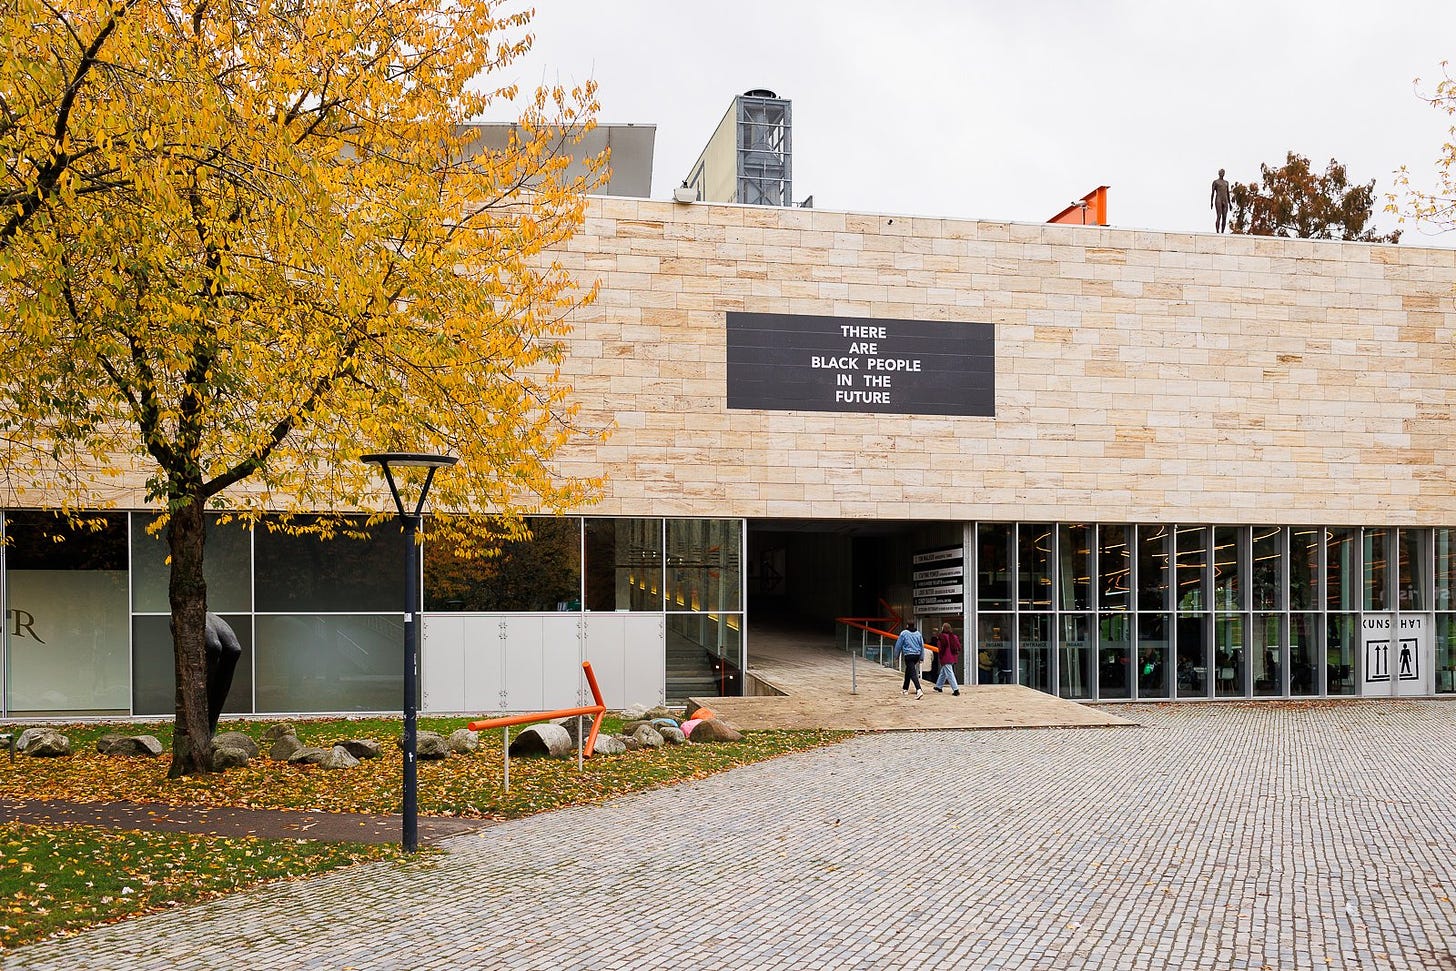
{"x": 1268, "y": 568}
{"x": 1304, "y": 560}
{"x": 1344, "y": 640}
{"x": 1230, "y": 567}
{"x": 310, "y": 574}
{"x": 1445, "y": 569}
{"x": 703, "y": 653}
{"x": 993, "y": 654}
{"x": 1114, "y": 656}
{"x": 1446, "y": 653}
{"x": 703, "y": 564}
{"x": 1074, "y": 567}
{"x": 1034, "y": 566}
{"x": 1230, "y": 656}
{"x": 1304, "y": 654}
{"x": 993, "y": 565}
{"x": 1193, "y": 660}
{"x": 67, "y": 633}
{"x": 154, "y": 670}
{"x": 1153, "y": 654}
{"x": 539, "y": 573}
{"x": 1153, "y": 567}
{"x": 1266, "y": 652}
{"x": 1036, "y": 651}
{"x": 623, "y": 564}
{"x": 1114, "y": 567}
{"x": 1377, "y": 573}
{"x": 1074, "y": 657}
{"x": 1413, "y": 569}
{"x": 1342, "y": 569}
{"x": 227, "y": 565}
{"x": 1192, "y": 546}
{"x": 316, "y": 663}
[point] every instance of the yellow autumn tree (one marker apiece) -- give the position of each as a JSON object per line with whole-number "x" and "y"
{"x": 1435, "y": 206}
{"x": 246, "y": 241}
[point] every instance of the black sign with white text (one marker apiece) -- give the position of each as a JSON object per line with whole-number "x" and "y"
{"x": 801, "y": 362}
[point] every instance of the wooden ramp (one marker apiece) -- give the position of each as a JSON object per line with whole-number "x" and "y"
{"x": 819, "y": 687}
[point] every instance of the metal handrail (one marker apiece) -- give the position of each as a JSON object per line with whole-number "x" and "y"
{"x": 866, "y": 637}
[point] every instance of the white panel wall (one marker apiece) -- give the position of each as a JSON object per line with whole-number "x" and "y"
{"x": 484, "y": 663}
{"x": 524, "y": 670}
{"x": 646, "y": 660}
{"x": 442, "y": 662}
{"x": 606, "y": 649}
{"x": 563, "y": 683}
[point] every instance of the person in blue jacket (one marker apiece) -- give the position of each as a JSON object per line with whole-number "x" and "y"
{"x": 911, "y": 646}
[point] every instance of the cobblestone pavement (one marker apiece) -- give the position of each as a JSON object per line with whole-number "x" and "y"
{"x": 1219, "y": 836}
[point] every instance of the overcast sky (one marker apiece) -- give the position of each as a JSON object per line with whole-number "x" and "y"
{"x": 1009, "y": 110}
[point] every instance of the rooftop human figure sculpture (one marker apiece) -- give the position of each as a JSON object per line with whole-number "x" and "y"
{"x": 1218, "y": 201}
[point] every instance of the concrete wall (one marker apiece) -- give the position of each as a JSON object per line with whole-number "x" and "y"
{"x": 1140, "y": 375}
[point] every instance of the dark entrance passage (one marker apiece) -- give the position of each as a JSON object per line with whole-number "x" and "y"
{"x": 804, "y": 574}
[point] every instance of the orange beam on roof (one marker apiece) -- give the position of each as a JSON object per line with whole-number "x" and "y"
{"x": 1090, "y": 210}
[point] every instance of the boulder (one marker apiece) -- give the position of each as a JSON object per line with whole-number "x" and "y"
{"x": 630, "y": 728}
{"x": 659, "y": 722}
{"x": 570, "y": 725}
{"x": 338, "y": 758}
{"x": 543, "y": 740}
{"x": 236, "y": 740}
{"x": 431, "y": 746}
{"x": 463, "y": 741}
{"x": 628, "y": 742}
{"x": 671, "y": 734}
{"x": 45, "y": 743}
{"x": 715, "y": 730}
{"x": 279, "y": 730}
{"x": 634, "y": 713}
{"x": 229, "y": 757}
{"x": 28, "y": 736}
{"x": 284, "y": 748}
{"x": 652, "y": 714}
{"x": 648, "y": 737}
{"x": 361, "y": 748}
{"x": 308, "y": 755}
{"x": 698, "y": 712}
{"x": 113, "y": 744}
{"x": 608, "y": 745}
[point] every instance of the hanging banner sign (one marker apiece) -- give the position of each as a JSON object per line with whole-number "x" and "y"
{"x": 803, "y": 362}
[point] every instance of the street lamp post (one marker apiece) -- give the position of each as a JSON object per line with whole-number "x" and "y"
{"x": 411, "y": 522}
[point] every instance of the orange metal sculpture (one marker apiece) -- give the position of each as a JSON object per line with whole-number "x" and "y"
{"x": 598, "y": 710}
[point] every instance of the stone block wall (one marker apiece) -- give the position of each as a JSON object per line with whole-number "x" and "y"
{"x": 1141, "y": 376}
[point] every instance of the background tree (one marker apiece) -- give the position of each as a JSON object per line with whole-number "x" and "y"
{"x": 1437, "y": 207}
{"x": 1292, "y": 200}
{"x": 250, "y": 241}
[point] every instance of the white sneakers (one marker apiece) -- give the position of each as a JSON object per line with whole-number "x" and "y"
{"x": 919, "y": 694}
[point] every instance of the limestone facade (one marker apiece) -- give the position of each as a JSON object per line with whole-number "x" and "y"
{"x": 1140, "y": 376}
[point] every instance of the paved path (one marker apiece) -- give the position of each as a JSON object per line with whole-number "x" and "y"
{"x": 816, "y": 681}
{"x": 1267, "y": 835}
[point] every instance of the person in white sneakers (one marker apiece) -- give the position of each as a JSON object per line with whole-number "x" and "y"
{"x": 949, "y": 646}
{"x": 911, "y": 646}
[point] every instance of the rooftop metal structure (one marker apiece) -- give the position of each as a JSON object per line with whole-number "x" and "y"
{"x": 749, "y": 158}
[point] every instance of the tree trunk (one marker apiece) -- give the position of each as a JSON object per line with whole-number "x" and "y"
{"x": 187, "y": 592}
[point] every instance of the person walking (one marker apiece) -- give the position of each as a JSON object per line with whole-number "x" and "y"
{"x": 949, "y": 653}
{"x": 911, "y": 646}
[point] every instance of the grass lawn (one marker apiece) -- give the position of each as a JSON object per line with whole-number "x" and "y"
{"x": 59, "y": 878}
{"x": 64, "y": 878}
{"x": 462, "y": 785}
